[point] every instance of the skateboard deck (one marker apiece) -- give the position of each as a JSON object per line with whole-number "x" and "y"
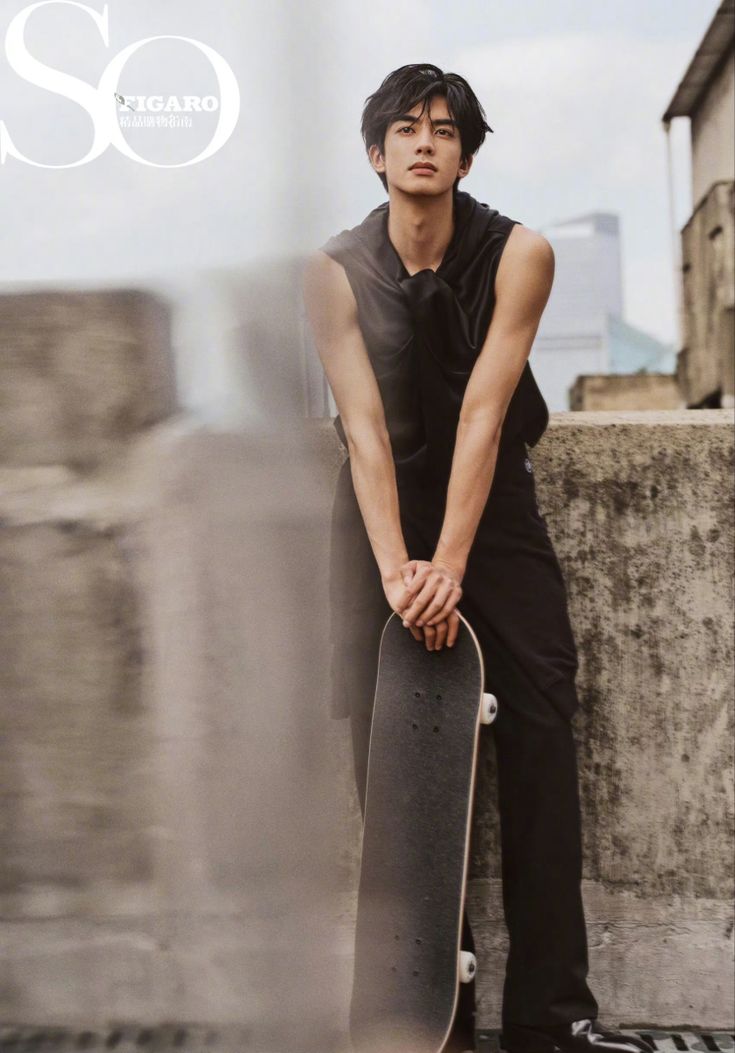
{"x": 427, "y": 713}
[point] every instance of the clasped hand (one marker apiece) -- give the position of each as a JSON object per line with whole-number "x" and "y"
{"x": 425, "y": 594}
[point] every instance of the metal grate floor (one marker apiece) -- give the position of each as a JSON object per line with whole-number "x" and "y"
{"x": 665, "y": 1041}
{"x": 192, "y": 1039}
{"x": 125, "y": 1039}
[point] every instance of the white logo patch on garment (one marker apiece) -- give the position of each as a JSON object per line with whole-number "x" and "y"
{"x": 527, "y": 463}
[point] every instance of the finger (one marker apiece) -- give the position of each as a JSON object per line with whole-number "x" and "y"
{"x": 410, "y": 566}
{"x": 453, "y": 632}
{"x": 451, "y": 599}
{"x": 418, "y": 634}
{"x": 441, "y": 635}
{"x": 455, "y": 595}
{"x": 407, "y": 571}
{"x": 407, "y": 596}
{"x": 418, "y": 580}
{"x": 429, "y": 637}
{"x": 405, "y": 600}
{"x": 430, "y": 614}
{"x": 424, "y": 597}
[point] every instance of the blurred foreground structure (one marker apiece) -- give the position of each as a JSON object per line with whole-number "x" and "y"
{"x": 182, "y": 834}
{"x": 170, "y": 840}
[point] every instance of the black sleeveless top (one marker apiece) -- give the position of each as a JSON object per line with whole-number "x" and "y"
{"x": 424, "y": 332}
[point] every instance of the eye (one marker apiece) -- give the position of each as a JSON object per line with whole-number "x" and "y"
{"x": 406, "y": 127}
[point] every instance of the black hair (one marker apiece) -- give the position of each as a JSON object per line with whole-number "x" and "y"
{"x": 418, "y": 82}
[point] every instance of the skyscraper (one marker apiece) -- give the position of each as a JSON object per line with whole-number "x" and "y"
{"x": 582, "y": 329}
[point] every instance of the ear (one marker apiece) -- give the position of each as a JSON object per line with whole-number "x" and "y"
{"x": 376, "y": 158}
{"x": 465, "y": 166}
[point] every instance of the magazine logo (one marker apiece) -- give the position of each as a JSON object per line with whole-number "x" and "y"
{"x": 179, "y": 103}
{"x": 153, "y": 111}
{"x": 102, "y": 102}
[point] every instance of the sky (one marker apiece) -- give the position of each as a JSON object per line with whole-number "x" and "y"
{"x": 573, "y": 90}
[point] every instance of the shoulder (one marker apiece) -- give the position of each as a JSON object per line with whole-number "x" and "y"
{"x": 347, "y": 260}
{"x": 334, "y": 258}
{"x": 509, "y": 242}
{"x": 527, "y": 248}
{"x": 526, "y": 272}
{"x": 527, "y": 259}
{"x": 326, "y": 286}
{"x": 355, "y": 242}
{"x": 321, "y": 265}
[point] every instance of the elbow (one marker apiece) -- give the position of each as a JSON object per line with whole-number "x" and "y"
{"x": 366, "y": 436}
{"x": 489, "y": 425}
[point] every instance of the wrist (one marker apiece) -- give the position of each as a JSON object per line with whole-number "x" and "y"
{"x": 450, "y": 561}
{"x": 392, "y": 572}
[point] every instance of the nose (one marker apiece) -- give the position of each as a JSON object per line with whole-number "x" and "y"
{"x": 424, "y": 138}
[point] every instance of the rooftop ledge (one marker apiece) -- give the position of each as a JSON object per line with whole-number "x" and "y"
{"x": 673, "y": 418}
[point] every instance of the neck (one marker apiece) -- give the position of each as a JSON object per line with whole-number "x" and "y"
{"x": 420, "y": 228}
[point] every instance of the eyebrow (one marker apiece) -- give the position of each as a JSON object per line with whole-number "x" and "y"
{"x": 412, "y": 120}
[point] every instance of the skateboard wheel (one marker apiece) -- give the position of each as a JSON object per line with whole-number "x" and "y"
{"x": 489, "y": 708}
{"x": 467, "y": 966}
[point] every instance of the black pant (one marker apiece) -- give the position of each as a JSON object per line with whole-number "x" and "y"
{"x": 514, "y": 597}
{"x": 538, "y": 801}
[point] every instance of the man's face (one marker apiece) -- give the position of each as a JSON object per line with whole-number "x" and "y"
{"x": 431, "y": 140}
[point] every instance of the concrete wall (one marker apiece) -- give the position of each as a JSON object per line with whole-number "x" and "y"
{"x": 706, "y": 363}
{"x": 640, "y": 508}
{"x": 182, "y": 834}
{"x": 713, "y": 133}
{"x": 625, "y": 391}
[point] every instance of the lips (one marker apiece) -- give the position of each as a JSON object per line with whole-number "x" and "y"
{"x": 423, "y": 165}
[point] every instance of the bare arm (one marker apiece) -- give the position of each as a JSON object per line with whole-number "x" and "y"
{"x": 332, "y": 311}
{"x": 522, "y": 287}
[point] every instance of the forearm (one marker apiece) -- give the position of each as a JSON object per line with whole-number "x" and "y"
{"x": 374, "y": 481}
{"x": 470, "y": 481}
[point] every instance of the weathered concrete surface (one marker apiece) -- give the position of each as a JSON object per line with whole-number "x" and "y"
{"x": 625, "y": 391}
{"x": 182, "y": 831}
{"x": 81, "y": 373}
{"x": 640, "y": 508}
{"x": 71, "y": 645}
{"x": 171, "y": 842}
{"x": 643, "y": 524}
{"x": 705, "y": 367}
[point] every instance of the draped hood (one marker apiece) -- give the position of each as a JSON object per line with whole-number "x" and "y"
{"x": 424, "y": 332}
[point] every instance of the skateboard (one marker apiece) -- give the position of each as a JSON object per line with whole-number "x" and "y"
{"x": 427, "y": 713}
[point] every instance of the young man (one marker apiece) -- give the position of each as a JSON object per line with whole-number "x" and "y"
{"x": 424, "y": 316}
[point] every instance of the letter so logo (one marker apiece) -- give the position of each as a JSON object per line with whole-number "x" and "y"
{"x": 100, "y": 101}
